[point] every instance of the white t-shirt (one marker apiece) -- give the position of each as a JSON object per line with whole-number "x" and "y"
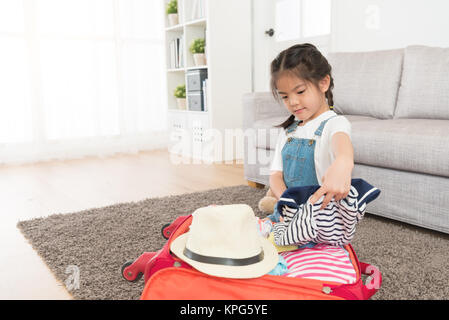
{"x": 323, "y": 147}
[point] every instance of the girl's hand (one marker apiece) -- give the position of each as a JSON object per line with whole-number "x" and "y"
{"x": 336, "y": 182}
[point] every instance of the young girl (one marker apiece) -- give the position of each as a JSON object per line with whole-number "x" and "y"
{"x": 315, "y": 146}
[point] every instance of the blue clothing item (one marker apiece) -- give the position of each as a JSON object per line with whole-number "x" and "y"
{"x": 298, "y": 161}
{"x": 281, "y": 267}
{"x": 296, "y": 196}
{"x": 274, "y": 217}
{"x": 334, "y": 225}
{"x": 308, "y": 245}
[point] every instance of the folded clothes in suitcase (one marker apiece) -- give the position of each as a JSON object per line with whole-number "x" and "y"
{"x": 170, "y": 278}
{"x": 216, "y": 253}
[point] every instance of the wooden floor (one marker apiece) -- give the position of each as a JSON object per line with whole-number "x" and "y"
{"x": 30, "y": 191}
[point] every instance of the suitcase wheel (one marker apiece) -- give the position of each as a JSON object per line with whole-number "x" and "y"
{"x": 165, "y": 231}
{"x": 130, "y": 275}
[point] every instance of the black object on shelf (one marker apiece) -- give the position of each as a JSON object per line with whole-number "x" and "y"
{"x": 195, "y": 90}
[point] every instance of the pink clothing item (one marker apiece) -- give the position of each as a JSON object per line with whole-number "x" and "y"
{"x": 264, "y": 227}
{"x": 322, "y": 262}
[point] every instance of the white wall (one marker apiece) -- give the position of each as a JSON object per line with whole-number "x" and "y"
{"x": 359, "y": 25}
{"x": 364, "y": 25}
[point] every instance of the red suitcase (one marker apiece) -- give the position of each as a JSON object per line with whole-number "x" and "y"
{"x": 169, "y": 278}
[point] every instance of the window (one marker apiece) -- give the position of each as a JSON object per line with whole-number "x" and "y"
{"x": 81, "y": 70}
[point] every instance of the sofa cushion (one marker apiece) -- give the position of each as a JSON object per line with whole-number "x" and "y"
{"x": 424, "y": 91}
{"x": 366, "y": 83}
{"x": 418, "y": 145}
{"x": 267, "y": 133}
{"x": 353, "y": 118}
{"x": 267, "y": 139}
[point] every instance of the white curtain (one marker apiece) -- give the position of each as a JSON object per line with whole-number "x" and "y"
{"x": 81, "y": 77}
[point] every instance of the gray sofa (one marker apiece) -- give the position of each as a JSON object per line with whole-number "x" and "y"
{"x": 398, "y": 104}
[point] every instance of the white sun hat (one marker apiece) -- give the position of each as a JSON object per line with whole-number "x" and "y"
{"x": 223, "y": 241}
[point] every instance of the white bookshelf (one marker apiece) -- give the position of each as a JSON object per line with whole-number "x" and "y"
{"x": 226, "y": 27}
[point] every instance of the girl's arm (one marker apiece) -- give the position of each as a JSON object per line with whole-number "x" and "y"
{"x": 277, "y": 184}
{"x": 337, "y": 179}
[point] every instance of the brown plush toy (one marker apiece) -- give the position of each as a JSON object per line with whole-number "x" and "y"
{"x": 267, "y": 203}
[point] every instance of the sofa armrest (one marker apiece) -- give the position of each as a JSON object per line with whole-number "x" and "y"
{"x": 260, "y": 105}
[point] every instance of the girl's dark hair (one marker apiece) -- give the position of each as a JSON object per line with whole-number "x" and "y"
{"x": 306, "y": 62}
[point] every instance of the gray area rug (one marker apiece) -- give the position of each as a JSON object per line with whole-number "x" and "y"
{"x": 414, "y": 261}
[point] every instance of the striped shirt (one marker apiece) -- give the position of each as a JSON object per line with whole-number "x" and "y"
{"x": 334, "y": 225}
{"x": 322, "y": 262}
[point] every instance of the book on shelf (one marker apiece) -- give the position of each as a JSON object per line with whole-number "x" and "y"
{"x": 205, "y": 94}
{"x": 181, "y": 52}
{"x": 177, "y": 53}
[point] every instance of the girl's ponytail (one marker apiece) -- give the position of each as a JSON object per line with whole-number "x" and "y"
{"x": 329, "y": 95}
{"x": 287, "y": 122}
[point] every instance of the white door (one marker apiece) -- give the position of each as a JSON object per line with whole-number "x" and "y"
{"x": 279, "y": 24}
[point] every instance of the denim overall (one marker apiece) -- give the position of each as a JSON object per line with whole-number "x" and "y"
{"x": 298, "y": 161}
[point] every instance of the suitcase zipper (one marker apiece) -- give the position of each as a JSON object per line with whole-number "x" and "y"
{"x": 327, "y": 290}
